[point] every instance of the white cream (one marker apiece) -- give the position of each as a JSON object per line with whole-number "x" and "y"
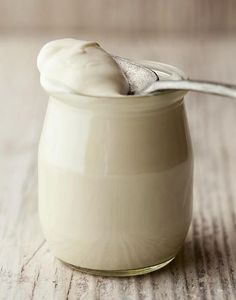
{"x": 115, "y": 174}
{"x": 115, "y": 189}
{"x": 80, "y": 67}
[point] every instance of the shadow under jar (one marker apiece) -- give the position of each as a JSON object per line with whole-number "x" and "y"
{"x": 115, "y": 181}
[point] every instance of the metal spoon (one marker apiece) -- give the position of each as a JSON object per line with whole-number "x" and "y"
{"x": 143, "y": 80}
{"x": 138, "y": 75}
{"x": 209, "y": 87}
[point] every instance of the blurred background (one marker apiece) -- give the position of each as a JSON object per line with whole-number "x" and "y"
{"x": 120, "y": 16}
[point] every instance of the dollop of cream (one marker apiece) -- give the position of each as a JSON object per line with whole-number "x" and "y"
{"x": 80, "y": 67}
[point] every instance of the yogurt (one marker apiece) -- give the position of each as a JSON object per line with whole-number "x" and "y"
{"x": 74, "y": 66}
{"x": 115, "y": 171}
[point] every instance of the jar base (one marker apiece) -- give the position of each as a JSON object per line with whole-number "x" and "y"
{"x": 120, "y": 273}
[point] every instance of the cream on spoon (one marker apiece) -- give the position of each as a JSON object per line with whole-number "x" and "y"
{"x": 152, "y": 84}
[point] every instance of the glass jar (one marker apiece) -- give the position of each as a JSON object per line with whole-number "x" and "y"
{"x": 115, "y": 181}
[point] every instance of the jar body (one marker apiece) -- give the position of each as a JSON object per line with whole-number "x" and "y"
{"x": 115, "y": 188}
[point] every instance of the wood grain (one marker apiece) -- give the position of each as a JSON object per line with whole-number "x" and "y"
{"x": 205, "y": 268}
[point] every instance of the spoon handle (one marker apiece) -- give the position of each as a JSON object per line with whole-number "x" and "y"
{"x": 208, "y": 87}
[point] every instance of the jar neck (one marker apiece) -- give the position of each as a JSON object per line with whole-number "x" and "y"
{"x": 160, "y": 101}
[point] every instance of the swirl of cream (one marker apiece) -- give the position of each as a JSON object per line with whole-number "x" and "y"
{"x": 80, "y": 67}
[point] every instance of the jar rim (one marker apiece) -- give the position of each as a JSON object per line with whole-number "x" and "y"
{"x": 160, "y": 99}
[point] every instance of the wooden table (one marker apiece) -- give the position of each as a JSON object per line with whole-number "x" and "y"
{"x": 206, "y": 267}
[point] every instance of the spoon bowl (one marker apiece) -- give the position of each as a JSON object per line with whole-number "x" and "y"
{"x": 143, "y": 80}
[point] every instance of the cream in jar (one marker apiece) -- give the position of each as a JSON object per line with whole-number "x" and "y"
{"x": 115, "y": 171}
